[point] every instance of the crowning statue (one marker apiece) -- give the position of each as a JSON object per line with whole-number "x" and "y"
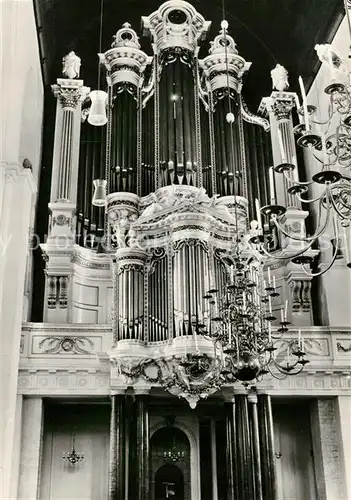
{"x": 280, "y": 78}
{"x": 71, "y": 65}
{"x": 327, "y": 55}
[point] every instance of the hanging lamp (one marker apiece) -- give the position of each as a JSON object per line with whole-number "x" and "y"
{"x": 97, "y": 115}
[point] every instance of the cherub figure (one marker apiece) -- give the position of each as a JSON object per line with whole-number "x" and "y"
{"x": 71, "y": 65}
{"x": 280, "y": 78}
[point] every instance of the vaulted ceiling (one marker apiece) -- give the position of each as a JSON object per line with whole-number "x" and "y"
{"x": 266, "y": 32}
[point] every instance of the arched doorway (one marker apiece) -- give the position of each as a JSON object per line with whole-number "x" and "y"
{"x": 170, "y": 465}
{"x": 169, "y": 483}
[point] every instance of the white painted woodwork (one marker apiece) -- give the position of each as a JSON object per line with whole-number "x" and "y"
{"x": 87, "y": 480}
{"x": 295, "y": 469}
{"x": 31, "y": 447}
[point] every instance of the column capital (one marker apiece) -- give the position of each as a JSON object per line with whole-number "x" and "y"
{"x": 278, "y": 103}
{"x": 70, "y": 92}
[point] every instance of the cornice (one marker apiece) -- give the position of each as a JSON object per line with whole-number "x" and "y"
{"x": 13, "y": 170}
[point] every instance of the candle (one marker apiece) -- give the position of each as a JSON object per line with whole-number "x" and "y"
{"x": 269, "y": 276}
{"x": 270, "y": 304}
{"x": 304, "y": 100}
{"x": 282, "y": 315}
{"x": 346, "y": 246}
{"x": 281, "y": 146}
{"x": 286, "y": 310}
{"x": 258, "y": 214}
{"x": 297, "y": 102}
{"x": 264, "y": 284}
{"x": 269, "y": 332}
{"x": 271, "y": 185}
{"x": 300, "y": 338}
{"x": 274, "y": 282}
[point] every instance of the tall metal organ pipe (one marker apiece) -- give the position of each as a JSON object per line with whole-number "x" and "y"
{"x": 90, "y": 220}
{"x": 123, "y": 141}
{"x": 177, "y": 139}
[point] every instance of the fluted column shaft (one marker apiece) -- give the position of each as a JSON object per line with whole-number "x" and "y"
{"x": 143, "y": 448}
{"x": 117, "y": 481}
{"x": 70, "y": 94}
{"x": 255, "y": 446}
{"x": 267, "y": 447}
{"x": 232, "y": 479}
{"x": 245, "y": 464}
{"x": 63, "y": 191}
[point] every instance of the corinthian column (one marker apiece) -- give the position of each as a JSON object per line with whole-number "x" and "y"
{"x": 58, "y": 250}
{"x": 70, "y": 94}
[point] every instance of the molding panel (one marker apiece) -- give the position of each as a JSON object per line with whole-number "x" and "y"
{"x": 74, "y": 359}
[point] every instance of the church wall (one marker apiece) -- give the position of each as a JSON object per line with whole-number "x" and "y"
{"x": 334, "y": 287}
{"x": 21, "y": 83}
{"x": 21, "y": 107}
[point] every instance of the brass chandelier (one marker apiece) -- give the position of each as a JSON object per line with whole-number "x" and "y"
{"x": 241, "y": 320}
{"x": 328, "y": 139}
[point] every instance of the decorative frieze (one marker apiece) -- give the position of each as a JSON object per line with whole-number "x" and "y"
{"x": 66, "y": 345}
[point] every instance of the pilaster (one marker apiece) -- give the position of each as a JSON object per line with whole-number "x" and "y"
{"x": 335, "y": 294}
{"x": 330, "y": 477}
{"x": 17, "y": 190}
{"x": 31, "y": 447}
{"x": 344, "y": 418}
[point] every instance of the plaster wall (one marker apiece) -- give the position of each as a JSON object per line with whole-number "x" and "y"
{"x": 334, "y": 287}
{"x": 21, "y": 107}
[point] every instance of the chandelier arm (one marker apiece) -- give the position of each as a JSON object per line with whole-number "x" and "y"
{"x": 279, "y": 257}
{"x": 312, "y": 200}
{"x": 341, "y": 215}
{"x": 307, "y": 238}
{"x": 283, "y": 371}
{"x": 320, "y": 273}
{"x": 337, "y": 136}
{"x": 296, "y": 183}
{"x": 331, "y": 113}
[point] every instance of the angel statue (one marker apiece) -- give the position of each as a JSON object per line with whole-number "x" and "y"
{"x": 71, "y": 65}
{"x": 327, "y": 55}
{"x": 280, "y": 78}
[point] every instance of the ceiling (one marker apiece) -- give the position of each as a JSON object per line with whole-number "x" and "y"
{"x": 266, "y": 32}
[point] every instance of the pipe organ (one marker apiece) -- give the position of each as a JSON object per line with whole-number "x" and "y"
{"x": 179, "y": 170}
{"x": 159, "y": 260}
